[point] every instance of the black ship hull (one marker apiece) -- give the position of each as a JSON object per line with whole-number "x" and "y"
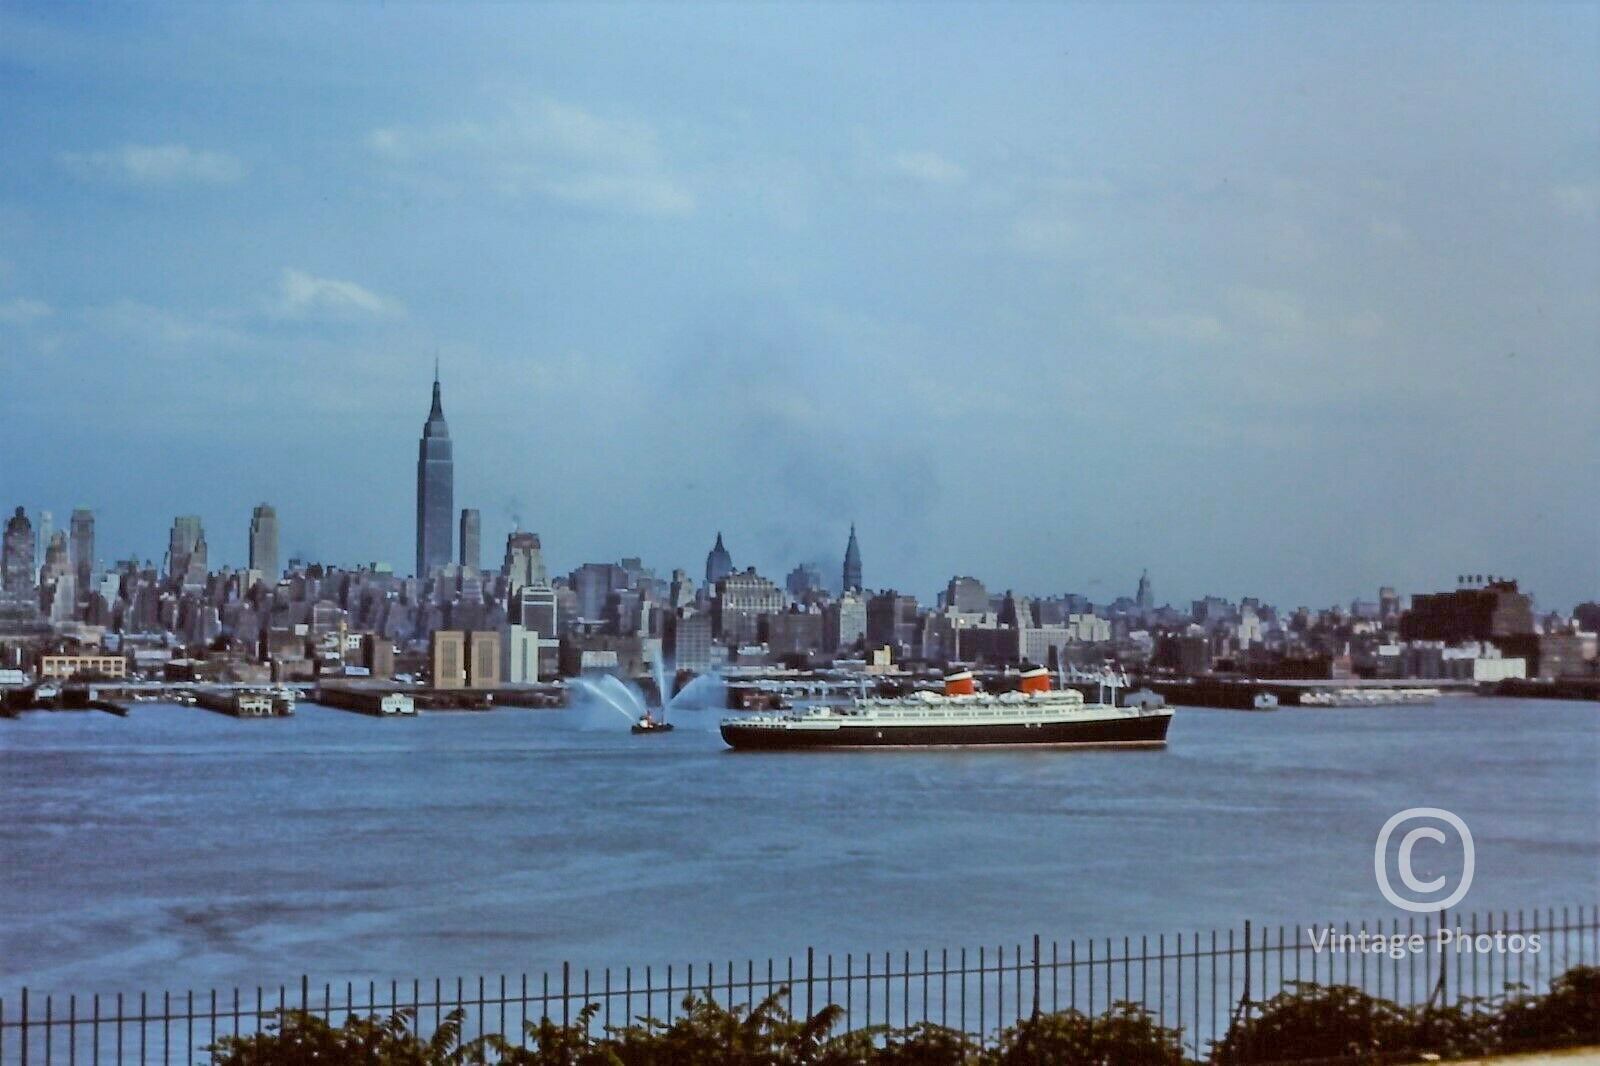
{"x": 1132, "y": 731}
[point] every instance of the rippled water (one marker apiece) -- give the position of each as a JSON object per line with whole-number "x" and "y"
{"x": 182, "y": 848}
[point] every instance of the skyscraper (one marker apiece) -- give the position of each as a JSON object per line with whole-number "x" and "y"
{"x": 82, "y": 547}
{"x": 966, "y": 595}
{"x": 435, "y": 488}
{"x": 57, "y": 584}
{"x": 852, "y": 563}
{"x": 17, "y": 572}
{"x": 802, "y": 581}
{"x": 264, "y": 542}
{"x": 719, "y": 564}
{"x": 471, "y": 524}
{"x": 1144, "y": 599}
{"x": 536, "y": 609}
{"x": 41, "y": 542}
{"x": 194, "y": 573}
{"x": 186, "y": 533}
{"x": 524, "y": 564}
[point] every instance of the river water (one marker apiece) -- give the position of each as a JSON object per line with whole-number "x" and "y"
{"x": 179, "y": 848}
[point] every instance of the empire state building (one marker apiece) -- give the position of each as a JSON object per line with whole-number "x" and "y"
{"x": 435, "y": 489}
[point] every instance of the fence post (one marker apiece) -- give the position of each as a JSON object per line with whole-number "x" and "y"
{"x": 24, "y": 1058}
{"x": 1236, "y": 1029}
{"x": 305, "y": 994}
{"x": 1441, "y": 989}
{"x": 1036, "y": 975}
{"x": 810, "y": 974}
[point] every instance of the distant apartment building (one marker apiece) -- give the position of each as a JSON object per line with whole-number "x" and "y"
{"x": 483, "y": 659}
{"x": 892, "y": 621}
{"x": 794, "y": 633}
{"x": 1479, "y": 610}
{"x": 742, "y": 600}
{"x": 447, "y": 658}
{"x": 966, "y": 595}
{"x": 66, "y": 667}
{"x": 522, "y": 655}
{"x": 942, "y": 629}
{"x": 686, "y": 641}
{"x": 537, "y": 610}
{"x": 802, "y": 581}
{"x": 1188, "y": 654}
{"x": 594, "y": 583}
{"x": 844, "y": 623}
{"x": 377, "y": 655}
{"x": 1567, "y": 655}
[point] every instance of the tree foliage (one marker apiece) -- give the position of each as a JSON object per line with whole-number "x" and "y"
{"x": 1305, "y": 1022}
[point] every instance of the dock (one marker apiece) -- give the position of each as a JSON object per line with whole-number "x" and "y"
{"x": 1240, "y": 693}
{"x": 377, "y": 700}
{"x": 244, "y": 703}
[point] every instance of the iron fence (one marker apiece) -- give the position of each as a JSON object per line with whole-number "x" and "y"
{"x": 1199, "y": 982}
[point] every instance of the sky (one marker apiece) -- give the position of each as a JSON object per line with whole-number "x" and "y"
{"x": 1284, "y": 300}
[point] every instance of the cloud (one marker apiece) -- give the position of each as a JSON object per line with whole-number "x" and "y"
{"x": 544, "y": 148}
{"x": 23, "y": 311}
{"x": 161, "y": 331}
{"x": 928, "y": 167}
{"x": 300, "y": 295}
{"x": 154, "y": 165}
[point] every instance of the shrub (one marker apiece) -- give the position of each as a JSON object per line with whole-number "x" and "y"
{"x": 1305, "y": 1022}
{"x": 1308, "y": 1021}
{"x": 1569, "y": 1014}
{"x": 297, "y": 1038}
{"x": 1125, "y": 1035}
{"x": 763, "y": 1035}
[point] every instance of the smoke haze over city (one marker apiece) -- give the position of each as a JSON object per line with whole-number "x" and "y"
{"x": 1276, "y": 301}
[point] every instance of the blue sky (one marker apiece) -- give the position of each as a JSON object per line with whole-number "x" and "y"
{"x": 1278, "y": 300}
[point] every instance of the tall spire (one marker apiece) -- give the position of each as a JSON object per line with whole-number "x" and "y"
{"x": 719, "y": 563}
{"x": 437, "y": 411}
{"x": 435, "y": 487}
{"x": 852, "y": 562}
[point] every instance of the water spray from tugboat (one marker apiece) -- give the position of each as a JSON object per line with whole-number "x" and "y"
{"x": 630, "y": 702}
{"x": 609, "y": 691}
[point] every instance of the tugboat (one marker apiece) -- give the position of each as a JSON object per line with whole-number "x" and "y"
{"x": 961, "y": 715}
{"x": 646, "y": 724}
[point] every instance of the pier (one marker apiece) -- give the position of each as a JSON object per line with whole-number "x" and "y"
{"x": 245, "y": 703}
{"x": 377, "y": 700}
{"x": 1240, "y": 693}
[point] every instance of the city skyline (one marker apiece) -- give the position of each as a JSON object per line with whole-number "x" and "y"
{"x": 444, "y": 537}
{"x": 1145, "y": 321}
{"x": 262, "y": 546}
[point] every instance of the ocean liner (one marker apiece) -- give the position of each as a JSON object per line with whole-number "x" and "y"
{"x": 961, "y": 715}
